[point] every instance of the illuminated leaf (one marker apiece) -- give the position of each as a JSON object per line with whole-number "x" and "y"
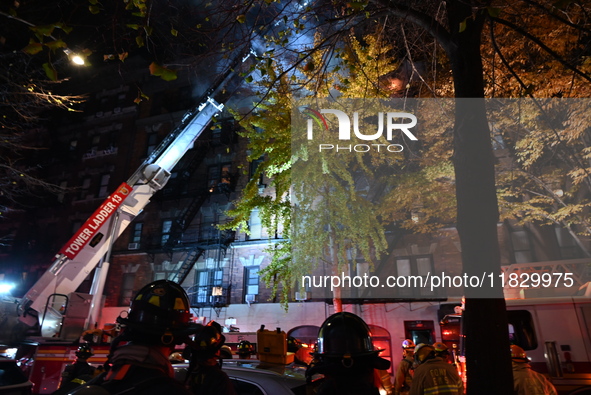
{"x": 165, "y": 73}
{"x": 169, "y": 75}
{"x": 50, "y": 71}
{"x": 45, "y": 30}
{"x": 241, "y": 18}
{"x": 94, "y": 9}
{"x": 65, "y": 28}
{"x": 33, "y": 48}
{"x": 53, "y": 45}
{"x": 463, "y": 25}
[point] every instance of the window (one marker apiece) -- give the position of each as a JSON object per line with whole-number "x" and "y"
{"x": 226, "y": 174}
{"x": 136, "y": 236}
{"x": 127, "y": 284}
{"x": 104, "y": 188}
{"x": 254, "y": 165}
{"x": 420, "y": 331}
{"x": 522, "y": 251}
{"x": 251, "y": 280}
{"x": 216, "y": 136}
{"x": 212, "y": 177}
{"x": 205, "y": 281}
{"x": 219, "y": 176}
{"x": 208, "y": 230}
{"x": 568, "y": 247}
{"x": 84, "y": 189}
{"x": 166, "y": 227}
{"x": 521, "y": 329}
{"x": 159, "y": 276}
{"x": 255, "y": 226}
{"x": 416, "y": 265}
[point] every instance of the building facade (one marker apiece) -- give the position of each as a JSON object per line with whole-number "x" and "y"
{"x": 176, "y": 236}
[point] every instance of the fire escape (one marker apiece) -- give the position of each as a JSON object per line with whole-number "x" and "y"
{"x": 189, "y": 243}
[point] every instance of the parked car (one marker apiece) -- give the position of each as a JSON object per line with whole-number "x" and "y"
{"x": 256, "y": 378}
{"x": 12, "y": 379}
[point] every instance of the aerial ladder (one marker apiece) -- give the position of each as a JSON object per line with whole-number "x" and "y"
{"x": 90, "y": 248}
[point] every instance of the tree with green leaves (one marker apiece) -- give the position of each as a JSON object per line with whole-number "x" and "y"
{"x": 26, "y": 96}
{"x": 465, "y": 32}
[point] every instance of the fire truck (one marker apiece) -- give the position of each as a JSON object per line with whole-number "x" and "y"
{"x": 51, "y": 317}
{"x": 554, "y": 332}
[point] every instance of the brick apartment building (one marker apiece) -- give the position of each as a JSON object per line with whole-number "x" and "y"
{"x": 175, "y": 237}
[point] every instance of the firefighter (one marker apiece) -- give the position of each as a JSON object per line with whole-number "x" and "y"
{"x": 77, "y": 373}
{"x": 347, "y": 358}
{"x": 525, "y": 380}
{"x": 441, "y": 351}
{"x": 158, "y": 319}
{"x": 403, "y": 377}
{"x": 176, "y": 357}
{"x": 245, "y": 349}
{"x": 205, "y": 375}
{"x": 433, "y": 375}
{"x": 225, "y": 352}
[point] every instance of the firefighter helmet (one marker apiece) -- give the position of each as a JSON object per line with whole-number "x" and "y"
{"x": 244, "y": 348}
{"x": 159, "y": 313}
{"x": 518, "y": 354}
{"x": 439, "y": 347}
{"x": 293, "y": 344}
{"x": 344, "y": 334}
{"x": 343, "y": 339}
{"x": 208, "y": 340}
{"x": 423, "y": 352}
{"x": 176, "y": 357}
{"x": 84, "y": 351}
{"x": 225, "y": 352}
{"x": 408, "y": 344}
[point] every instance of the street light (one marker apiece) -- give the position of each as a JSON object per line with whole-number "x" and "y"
{"x": 75, "y": 57}
{"x": 6, "y": 288}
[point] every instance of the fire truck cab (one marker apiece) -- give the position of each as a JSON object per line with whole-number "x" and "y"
{"x": 554, "y": 332}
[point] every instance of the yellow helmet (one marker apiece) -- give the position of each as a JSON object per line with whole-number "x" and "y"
{"x": 408, "y": 344}
{"x": 439, "y": 346}
{"x": 518, "y": 354}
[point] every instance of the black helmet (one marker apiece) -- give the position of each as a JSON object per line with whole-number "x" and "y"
{"x": 245, "y": 348}
{"x": 293, "y": 344}
{"x": 208, "y": 341}
{"x": 84, "y": 351}
{"x": 344, "y": 334}
{"x": 159, "y": 313}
